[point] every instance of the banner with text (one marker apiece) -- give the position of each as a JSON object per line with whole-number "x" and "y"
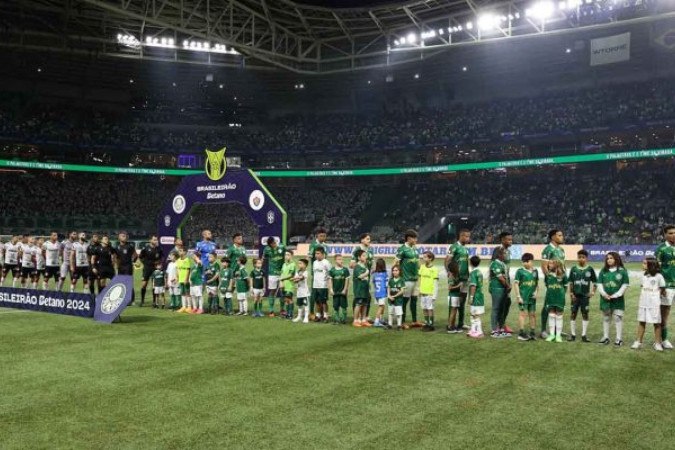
{"x": 440, "y": 250}
{"x": 629, "y": 253}
{"x": 54, "y": 302}
{"x": 611, "y": 49}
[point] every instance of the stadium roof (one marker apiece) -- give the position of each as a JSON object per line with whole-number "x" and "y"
{"x": 297, "y": 36}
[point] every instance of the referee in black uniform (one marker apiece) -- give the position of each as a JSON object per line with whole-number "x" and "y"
{"x": 94, "y": 245}
{"x": 150, "y": 255}
{"x": 126, "y": 257}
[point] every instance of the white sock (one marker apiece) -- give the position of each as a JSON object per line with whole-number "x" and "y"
{"x": 618, "y": 323}
{"x": 201, "y": 302}
{"x": 14, "y": 283}
{"x": 584, "y": 327}
{"x": 559, "y": 324}
{"x": 391, "y": 319}
{"x": 72, "y": 288}
{"x": 44, "y": 285}
{"x": 551, "y": 323}
{"x": 479, "y": 324}
{"x": 85, "y": 289}
{"x": 59, "y": 285}
{"x": 34, "y": 284}
{"x": 605, "y": 326}
{"x": 573, "y": 327}
{"x": 306, "y": 311}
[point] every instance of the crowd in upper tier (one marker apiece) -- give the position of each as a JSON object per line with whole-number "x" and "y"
{"x": 28, "y": 120}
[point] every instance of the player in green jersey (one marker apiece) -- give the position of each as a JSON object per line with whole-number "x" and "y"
{"x": 211, "y": 279}
{"x": 287, "y": 273}
{"x": 460, "y": 254}
{"x": 237, "y": 249}
{"x": 257, "y": 286}
{"x": 505, "y": 243}
{"x": 196, "y": 280}
{"x": 338, "y": 287}
{"x": 225, "y": 277}
{"x": 582, "y": 287}
{"x": 475, "y": 299}
{"x": 526, "y": 284}
{"x": 552, "y": 251}
{"x": 408, "y": 260}
{"x": 395, "y": 291}
{"x": 364, "y": 245}
{"x": 183, "y": 269}
{"x": 454, "y": 299}
{"x": 361, "y": 290}
{"x": 273, "y": 256}
{"x": 242, "y": 285}
{"x": 612, "y": 284}
{"x": 556, "y": 287}
{"x": 158, "y": 283}
{"x": 499, "y": 290}
{"x": 665, "y": 255}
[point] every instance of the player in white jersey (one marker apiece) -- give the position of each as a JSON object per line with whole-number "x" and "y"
{"x": 11, "y": 261}
{"x": 50, "y": 251}
{"x": 40, "y": 262}
{"x": 79, "y": 263}
{"x": 28, "y": 261}
{"x": 319, "y": 296}
{"x": 66, "y": 254}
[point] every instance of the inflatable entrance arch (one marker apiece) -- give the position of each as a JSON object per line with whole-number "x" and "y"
{"x": 239, "y": 186}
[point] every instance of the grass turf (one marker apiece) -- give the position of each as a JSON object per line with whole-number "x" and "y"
{"x": 162, "y": 380}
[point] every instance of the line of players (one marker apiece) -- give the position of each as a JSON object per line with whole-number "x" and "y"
{"x": 30, "y": 260}
{"x": 410, "y": 281}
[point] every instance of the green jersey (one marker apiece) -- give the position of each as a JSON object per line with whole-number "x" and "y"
{"x": 196, "y": 273}
{"x": 581, "y": 279}
{"x": 241, "y": 279}
{"x": 274, "y": 258}
{"x": 476, "y": 279}
{"x": 507, "y": 255}
{"x": 257, "y": 278}
{"x": 369, "y": 255}
{"x": 158, "y": 278}
{"x": 338, "y": 276}
{"x": 361, "y": 286}
{"x": 553, "y": 252}
{"x": 225, "y": 277}
{"x": 396, "y": 285}
{"x": 527, "y": 283}
{"x": 453, "y": 285}
{"x": 234, "y": 252}
{"x": 498, "y": 269}
{"x": 665, "y": 255}
{"x": 555, "y": 290}
{"x": 460, "y": 255}
{"x": 612, "y": 281}
{"x": 315, "y": 245}
{"x": 288, "y": 271}
{"x": 210, "y": 273}
{"x": 409, "y": 262}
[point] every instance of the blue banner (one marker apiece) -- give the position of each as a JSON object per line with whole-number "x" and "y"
{"x": 114, "y": 298}
{"x": 54, "y": 302}
{"x": 629, "y": 253}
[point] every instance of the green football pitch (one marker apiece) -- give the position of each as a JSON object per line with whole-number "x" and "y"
{"x": 166, "y": 380}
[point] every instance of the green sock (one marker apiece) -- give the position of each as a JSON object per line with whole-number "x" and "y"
{"x": 406, "y": 300}
{"x": 270, "y": 300}
{"x": 664, "y": 333}
{"x": 544, "y": 318}
{"x": 413, "y": 308}
{"x": 343, "y": 314}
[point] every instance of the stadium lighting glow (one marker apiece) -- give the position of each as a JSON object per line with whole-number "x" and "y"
{"x": 412, "y": 38}
{"x": 131, "y": 81}
{"x": 417, "y": 76}
{"x": 159, "y": 42}
{"x": 464, "y": 69}
{"x": 568, "y": 50}
{"x": 220, "y": 86}
{"x": 488, "y": 21}
{"x": 542, "y": 10}
{"x": 572, "y": 4}
{"x": 397, "y": 42}
{"x": 128, "y": 40}
{"x": 469, "y": 25}
{"x": 441, "y": 31}
{"x": 562, "y": 6}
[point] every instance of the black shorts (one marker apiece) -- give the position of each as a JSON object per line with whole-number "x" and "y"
{"x": 320, "y": 296}
{"x": 147, "y": 272}
{"x": 40, "y": 272}
{"x": 52, "y": 272}
{"x": 93, "y": 275}
{"x": 106, "y": 273}
{"x": 28, "y": 272}
{"x": 14, "y": 268}
{"x": 80, "y": 272}
{"x": 580, "y": 302}
{"x": 124, "y": 270}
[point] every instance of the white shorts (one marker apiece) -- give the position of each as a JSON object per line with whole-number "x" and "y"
{"x": 241, "y": 296}
{"x": 427, "y": 302}
{"x": 228, "y": 294}
{"x": 454, "y": 302}
{"x": 477, "y": 310}
{"x": 211, "y": 290}
{"x": 649, "y": 315}
{"x": 196, "y": 291}
{"x": 381, "y": 301}
{"x": 669, "y": 298}
{"x": 158, "y": 289}
{"x": 258, "y": 292}
{"x": 174, "y": 290}
{"x": 396, "y": 310}
{"x": 273, "y": 282}
{"x": 412, "y": 289}
{"x": 65, "y": 270}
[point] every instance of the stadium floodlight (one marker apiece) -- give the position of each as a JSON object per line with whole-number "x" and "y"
{"x": 402, "y": 41}
{"x": 573, "y": 4}
{"x": 568, "y": 50}
{"x": 412, "y": 38}
{"x": 542, "y": 10}
{"x": 469, "y": 25}
{"x": 128, "y": 40}
{"x": 397, "y": 42}
{"x": 488, "y": 21}
{"x": 464, "y": 69}
{"x": 417, "y": 76}
{"x": 517, "y": 15}
{"x": 562, "y": 5}
{"x": 441, "y": 31}
{"x": 220, "y": 86}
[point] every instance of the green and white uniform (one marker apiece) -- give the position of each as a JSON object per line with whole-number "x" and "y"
{"x": 665, "y": 255}
{"x": 409, "y": 261}
{"x": 196, "y": 278}
{"x": 527, "y": 286}
{"x": 550, "y": 252}
{"x": 478, "y": 303}
{"x": 460, "y": 255}
{"x": 555, "y": 290}
{"x": 361, "y": 286}
{"x": 257, "y": 281}
{"x": 369, "y": 255}
{"x": 581, "y": 280}
{"x": 613, "y": 282}
{"x": 288, "y": 271}
{"x": 275, "y": 261}
{"x": 234, "y": 252}
{"x": 225, "y": 279}
{"x": 339, "y": 277}
{"x": 158, "y": 281}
